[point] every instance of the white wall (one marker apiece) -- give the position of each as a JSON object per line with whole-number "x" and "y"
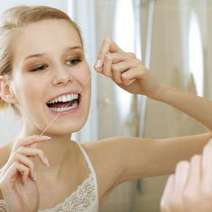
{"x": 10, "y": 125}
{"x": 62, "y": 4}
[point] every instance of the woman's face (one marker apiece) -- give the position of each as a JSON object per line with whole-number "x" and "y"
{"x": 51, "y": 77}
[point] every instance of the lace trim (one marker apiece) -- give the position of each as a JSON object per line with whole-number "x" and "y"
{"x": 79, "y": 200}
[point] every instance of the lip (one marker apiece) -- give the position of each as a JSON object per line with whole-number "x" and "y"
{"x": 65, "y": 93}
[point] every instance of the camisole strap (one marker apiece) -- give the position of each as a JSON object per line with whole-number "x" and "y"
{"x": 90, "y": 166}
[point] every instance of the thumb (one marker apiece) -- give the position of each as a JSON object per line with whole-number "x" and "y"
{"x": 107, "y": 46}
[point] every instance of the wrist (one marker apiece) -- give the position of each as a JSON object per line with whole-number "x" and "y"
{"x": 160, "y": 93}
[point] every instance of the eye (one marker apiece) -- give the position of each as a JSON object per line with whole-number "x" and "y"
{"x": 39, "y": 67}
{"x": 73, "y": 61}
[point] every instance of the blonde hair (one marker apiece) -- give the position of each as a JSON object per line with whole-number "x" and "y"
{"x": 21, "y": 16}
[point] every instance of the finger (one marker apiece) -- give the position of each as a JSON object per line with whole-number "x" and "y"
{"x": 31, "y": 151}
{"x": 134, "y": 73}
{"x": 27, "y": 151}
{"x": 121, "y": 56}
{"x": 206, "y": 166}
{"x": 124, "y": 60}
{"x": 24, "y": 171}
{"x": 125, "y": 65}
{"x": 181, "y": 177}
{"x": 27, "y": 162}
{"x": 17, "y": 167}
{"x": 116, "y": 76}
{"x": 167, "y": 194}
{"x": 128, "y": 82}
{"x": 119, "y": 68}
{"x": 104, "y": 49}
{"x": 107, "y": 46}
{"x": 31, "y": 140}
{"x": 194, "y": 175}
{"x": 107, "y": 66}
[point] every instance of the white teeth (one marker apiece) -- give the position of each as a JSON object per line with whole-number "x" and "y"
{"x": 64, "y": 98}
{"x": 65, "y": 109}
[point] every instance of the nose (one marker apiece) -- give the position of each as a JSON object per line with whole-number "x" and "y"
{"x": 62, "y": 76}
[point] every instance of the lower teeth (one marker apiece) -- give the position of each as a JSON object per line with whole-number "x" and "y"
{"x": 64, "y": 109}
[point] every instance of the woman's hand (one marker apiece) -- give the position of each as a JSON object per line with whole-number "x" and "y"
{"x": 190, "y": 188}
{"x": 126, "y": 70}
{"x": 17, "y": 177}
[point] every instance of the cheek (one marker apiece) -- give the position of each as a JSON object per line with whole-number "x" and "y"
{"x": 83, "y": 75}
{"x": 30, "y": 90}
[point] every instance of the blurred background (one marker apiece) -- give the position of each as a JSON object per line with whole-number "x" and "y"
{"x": 174, "y": 39}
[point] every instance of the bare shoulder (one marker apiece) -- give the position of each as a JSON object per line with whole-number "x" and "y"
{"x": 106, "y": 155}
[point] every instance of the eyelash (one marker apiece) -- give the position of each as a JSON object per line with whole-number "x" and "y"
{"x": 76, "y": 60}
{"x": 41, "y": 67}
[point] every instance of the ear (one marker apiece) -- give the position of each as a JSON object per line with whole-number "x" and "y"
{"x": 6, "y": 91}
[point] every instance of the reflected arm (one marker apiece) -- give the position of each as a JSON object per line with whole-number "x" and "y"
{"x": 197, "y": 107}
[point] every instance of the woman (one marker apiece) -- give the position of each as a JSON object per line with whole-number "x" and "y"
{"x": 46, "y": 79}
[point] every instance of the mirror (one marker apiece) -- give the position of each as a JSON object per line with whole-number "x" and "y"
{"x": 174, "y": 39}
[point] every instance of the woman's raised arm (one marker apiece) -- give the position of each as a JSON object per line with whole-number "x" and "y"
{"x": 197, "y": 107}
{"x": 130, "y": 74}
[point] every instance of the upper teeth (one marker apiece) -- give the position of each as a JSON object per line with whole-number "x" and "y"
{"x": 64, "y": 98}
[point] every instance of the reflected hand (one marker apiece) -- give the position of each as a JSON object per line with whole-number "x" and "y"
{"x": 190, "y": 188}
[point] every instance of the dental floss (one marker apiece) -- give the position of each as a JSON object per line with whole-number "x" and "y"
{"x": 45, "y": 129}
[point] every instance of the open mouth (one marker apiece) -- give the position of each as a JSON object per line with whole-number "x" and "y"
{"x": 64, "y": 102}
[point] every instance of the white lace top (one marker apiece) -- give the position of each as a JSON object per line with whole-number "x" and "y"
{"x": 85, "y": 198}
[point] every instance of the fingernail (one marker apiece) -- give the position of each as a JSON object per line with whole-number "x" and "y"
{"x": 98, "y": 64}
{"x": 47, "y": 162}
{"x": 45, "y": 137}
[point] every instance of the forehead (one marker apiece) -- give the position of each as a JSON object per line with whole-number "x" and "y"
{"x": 46, "y": 36}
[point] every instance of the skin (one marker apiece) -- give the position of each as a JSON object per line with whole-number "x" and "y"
{"x": 189, "y": 188}
{"x": 49, "y": 82}
{"x": 61, "y": 73}
{"x": 145, "y": 157}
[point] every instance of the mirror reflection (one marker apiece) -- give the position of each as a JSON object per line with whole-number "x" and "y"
{"x": 101, "y": 101}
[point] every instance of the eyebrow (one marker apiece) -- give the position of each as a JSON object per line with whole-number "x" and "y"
{"x": 42, "y": 54}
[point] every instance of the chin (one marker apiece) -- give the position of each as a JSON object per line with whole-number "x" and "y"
{"x": 66, "y": 128}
